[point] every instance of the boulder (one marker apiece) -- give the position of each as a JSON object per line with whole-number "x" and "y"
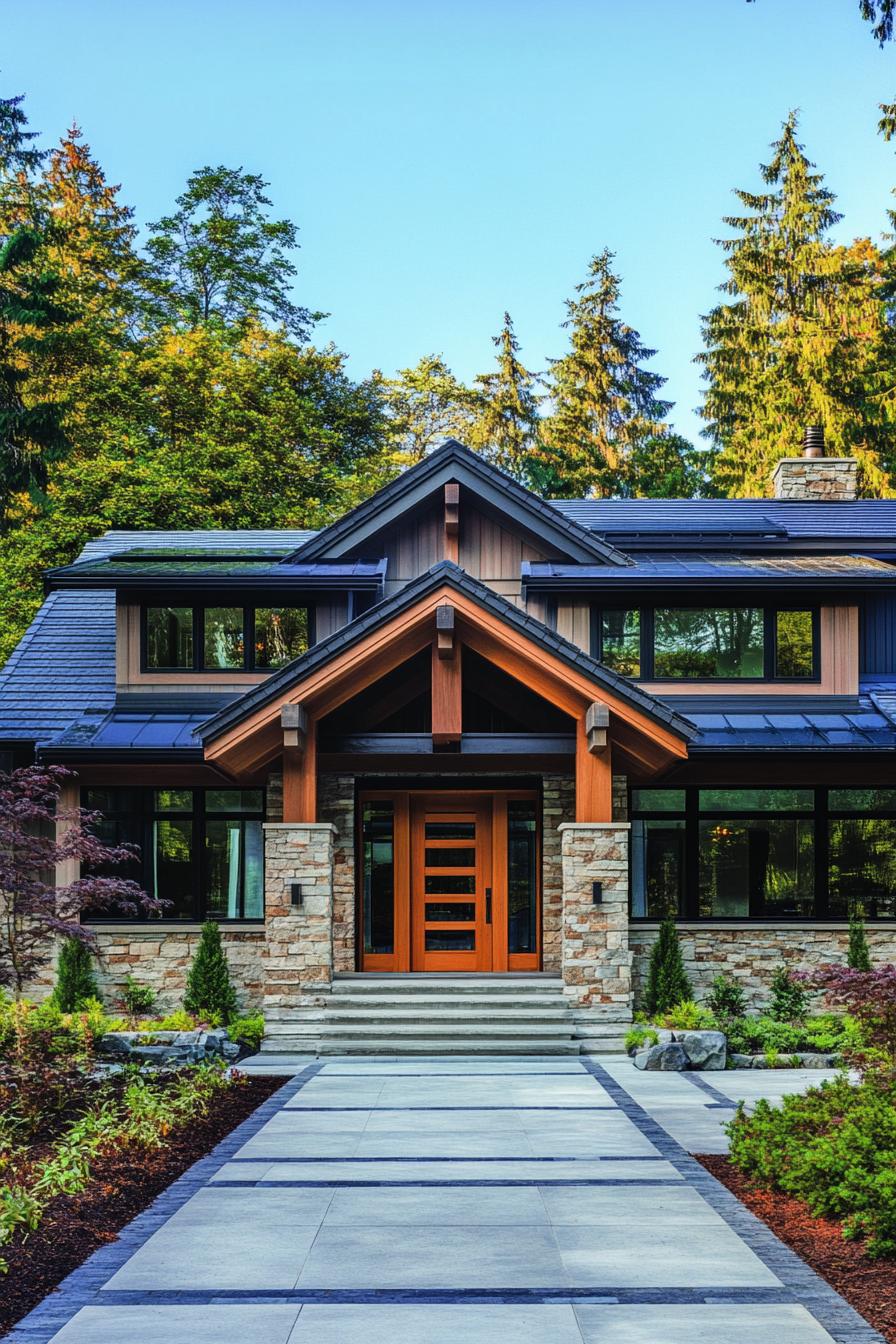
{"x": 669, "y": 1058}
{"x": 706, "y": 1050}
{"x": 741, "y": 1061}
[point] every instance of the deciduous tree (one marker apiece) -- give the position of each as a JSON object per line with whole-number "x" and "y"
{"x": 427, "y": 405}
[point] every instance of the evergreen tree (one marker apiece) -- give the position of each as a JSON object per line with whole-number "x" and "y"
{"x": 210, "y": 991}
{"x": 220, "y": 257}
{"x": 667, "y": 983}
{"x": 75, "y": 979}
{"x": 790, "y": 998}
{"x": 605, "y": 403}
{"x": 507, "y": 423}
{"x": 858, "y": 957}
{"x": 427, "y": 405}
{"x": 801, "y": 337}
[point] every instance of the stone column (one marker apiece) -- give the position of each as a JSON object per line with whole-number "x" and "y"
{"x": 298, "y": 955}
{"x": 596, "y": 963}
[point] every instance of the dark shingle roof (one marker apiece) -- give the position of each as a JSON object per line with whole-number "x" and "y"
{"x": 789, "y": 723}
{"x": 667, "y": 569}
{"x": 264, "y": 539}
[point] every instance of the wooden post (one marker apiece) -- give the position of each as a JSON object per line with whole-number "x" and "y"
{"x": 452, "y": 522}
{"x": 447, "y": 684}
{"x": 299, "y": 764}
{"x": 594, "y": 779}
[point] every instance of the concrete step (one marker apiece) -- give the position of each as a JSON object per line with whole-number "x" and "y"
{"x": 421, "y": 1045}
{"x": 410, "y": 1027}
{"x": 490, "y": 986}
{"x": 423, "y": 1006}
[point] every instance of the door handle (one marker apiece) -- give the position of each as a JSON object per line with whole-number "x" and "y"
{"x": 488, "y": 905}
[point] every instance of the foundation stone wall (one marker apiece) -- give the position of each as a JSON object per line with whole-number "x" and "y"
{"x": 336, "y": 804}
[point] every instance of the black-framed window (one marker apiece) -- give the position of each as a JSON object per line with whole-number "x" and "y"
{"x": 776, "y": 852}
{"x": 223, "y": 638}
{"x": 200, "y": 849}
{"x": 732, "y": 643}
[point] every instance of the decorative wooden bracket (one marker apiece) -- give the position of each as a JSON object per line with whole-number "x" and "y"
{"x": 294, "y": 722}
{"x": 452, "y": 522}
{"x": 597, "y": 721}
{"x": 445, "y": 631}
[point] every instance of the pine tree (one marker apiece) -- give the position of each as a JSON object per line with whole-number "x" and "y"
{"x": 75, "y": 979}
{"x": 605, "y": 403}
{"x": 801, "y": 337}
{"x": 667, "y": 983}
{"x": 210, "y": 991}
{"x": 859, "y": 956}
{"x": 507, "y": 423}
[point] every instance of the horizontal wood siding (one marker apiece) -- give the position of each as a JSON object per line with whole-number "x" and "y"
{"x": 877, "y": 625}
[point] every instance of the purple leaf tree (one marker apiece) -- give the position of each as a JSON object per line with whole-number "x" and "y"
{"x": 36, "y": 835}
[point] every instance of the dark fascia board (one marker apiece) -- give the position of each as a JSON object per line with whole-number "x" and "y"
{"x": 642, "y": 583}
{"x": 115, "y": 755}
{"x": 455, "y": 462}
{"x": 444, "y": 573}
{"x": 273, "y": 580}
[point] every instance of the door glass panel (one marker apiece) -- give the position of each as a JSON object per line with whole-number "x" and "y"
{"x": 450, "y": 940}
{"x": 450, "y": 886}
{"x": 378, "y": 844}
{"x": 521, "y": 877}
{"x": 456, "y": 913}
{"x": 450, "y": 830}
{"x": 450, "y": 858}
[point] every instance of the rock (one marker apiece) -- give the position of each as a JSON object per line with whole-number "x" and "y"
{"x": 669, "y": 1058}
{"x": 706, "y": 1050}
{"x": 741, "y": 1061}
{"x": 810, "y": 1060}
{"x": 760, "y": 1062}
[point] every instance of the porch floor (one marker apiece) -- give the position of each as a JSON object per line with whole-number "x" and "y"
{"x": 450, "y": 1202}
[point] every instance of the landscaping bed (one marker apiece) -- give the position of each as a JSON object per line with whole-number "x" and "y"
{"x": 868, "y": 1285}
{"x": 73, "y": 1226}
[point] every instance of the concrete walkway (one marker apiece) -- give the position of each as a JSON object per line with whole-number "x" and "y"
{"x": 454, "y": 1202}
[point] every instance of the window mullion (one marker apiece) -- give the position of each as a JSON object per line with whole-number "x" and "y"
{"x": 646, "y": 622}
{"x": 692, "y": 854}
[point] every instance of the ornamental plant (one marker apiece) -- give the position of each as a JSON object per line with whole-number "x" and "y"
{"x": 858, "y": 956}
{"x": 726, "y": 999}
{"x": 869, "y": 997}
{"x": 210, "y": 991}
{"x": 790, "y": 996}
{"x": 75, "y": 980}
{"x": 36, "y": 835}
{"x": 667, "y": 983}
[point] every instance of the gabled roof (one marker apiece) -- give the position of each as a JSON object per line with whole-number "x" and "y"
{"x": 444, "y": 574}
{"x": 454, "y": 462}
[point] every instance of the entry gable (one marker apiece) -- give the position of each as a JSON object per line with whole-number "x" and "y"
{"x": 455, "y": 464}
{"x": 441, "y": 610}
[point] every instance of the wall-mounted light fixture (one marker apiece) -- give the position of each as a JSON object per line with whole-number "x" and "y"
{"x": 597, "y": 892}
{"x": 295, "y": 893}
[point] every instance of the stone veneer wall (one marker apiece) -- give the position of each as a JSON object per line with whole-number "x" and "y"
{"x": 558, "y": 806}
{"x": 751, "y": 953}
{"x": 298, "y": 946}
{"x": 825, "y": 478}
{"x": 161, "y": 959}
{"x": 336, "y": 804}
{"x": 596, "y": 963}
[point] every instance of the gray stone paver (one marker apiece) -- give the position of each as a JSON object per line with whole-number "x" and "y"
{"x": 453, "y": 1202}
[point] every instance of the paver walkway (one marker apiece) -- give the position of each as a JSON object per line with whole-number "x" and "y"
{"x": 450, "y": 1202}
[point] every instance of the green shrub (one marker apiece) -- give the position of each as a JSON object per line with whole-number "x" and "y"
{"x": 137, "y": 998}
{"x": 790, "y": 997}
{"x": 688, "y": 1016}
{"x": 858, "y": 957}
{"x": 833, "y": 1147}
{"x": 75, "y": 980}
{"x": 726, "y": 1000}
{"x": 638, "y": 1037}
{"x": 248, "y": 1031}
{"x": 667, "y": 983}
{"x": 179, "y": 1020}
{"x": 209, "y": 987}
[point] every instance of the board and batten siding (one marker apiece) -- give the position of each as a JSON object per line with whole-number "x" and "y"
{"x": 877, "y": 638}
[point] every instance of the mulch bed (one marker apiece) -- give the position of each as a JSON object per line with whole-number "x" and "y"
{"x": 74, "y": 1226}
{"x": 868, "y": 1285}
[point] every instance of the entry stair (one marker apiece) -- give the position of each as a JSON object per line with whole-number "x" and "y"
{"x": 369, "y": 1014}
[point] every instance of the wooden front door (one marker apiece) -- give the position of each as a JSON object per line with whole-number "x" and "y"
{"x": 449, "y": 881}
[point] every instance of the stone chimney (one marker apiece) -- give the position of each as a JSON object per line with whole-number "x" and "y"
{"x": 814, "y": 476}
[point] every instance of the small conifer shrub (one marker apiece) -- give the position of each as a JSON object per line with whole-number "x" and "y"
{"x": 790, "y": 997}
{"x": 726, "y": 998}
{"x": 667, "y": 983}
{"x": 210, "y": 991}
{"x": 75, "y": 979}
{"x": 858, "y": 958}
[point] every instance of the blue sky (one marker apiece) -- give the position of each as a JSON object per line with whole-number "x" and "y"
{"x": 445, "y": 161}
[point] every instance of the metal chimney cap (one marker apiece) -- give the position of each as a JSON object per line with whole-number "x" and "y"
{"x": 813, "y": 441}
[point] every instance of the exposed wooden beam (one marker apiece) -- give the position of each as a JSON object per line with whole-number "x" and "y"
{"x": 446, "y": 699}
{"x": 597, "y": 721}
{"x": 300, "y": 779}
{"x": 452, "y": 522}
{"x": 445, "y": 642}
{"x": 594, "y": 780}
